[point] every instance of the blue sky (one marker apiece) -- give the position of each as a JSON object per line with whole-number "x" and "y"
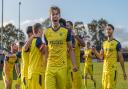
{"x": 115, "y": 11}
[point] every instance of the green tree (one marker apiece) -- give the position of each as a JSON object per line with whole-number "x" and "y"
{"x": 10, "y": 34}
{"x": 97, "y": 31}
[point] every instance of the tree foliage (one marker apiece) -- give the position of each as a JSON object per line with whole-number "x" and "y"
{"x": 10, "y": 34}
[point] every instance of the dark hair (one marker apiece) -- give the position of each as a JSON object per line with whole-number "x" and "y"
{"x": 111, "y": 26}
{"x": 88, "y": 43}
{"x": 12, "y": 44}
{"x": 62, "y": 22}
{"x": 21, "y": 44}
{"x": 70, "y": 23}
{"x": 37, "y": 26}
{"x": 29, "y": 29}
{"x": 54, "y": 8}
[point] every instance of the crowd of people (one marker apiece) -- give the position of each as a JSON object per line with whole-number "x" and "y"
{"x": 50, "y": 58}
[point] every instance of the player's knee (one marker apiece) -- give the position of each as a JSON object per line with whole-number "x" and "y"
{"x": 8, "y": 85}
{"x": 17, "y": 86}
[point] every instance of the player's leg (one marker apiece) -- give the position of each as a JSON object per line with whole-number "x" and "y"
{"x": 50, "y": 78}
{"x": 82, "y": 72}
{"x": 61, "y": 78}
{"x": 93, "y": 81}
{"x": 35, "y": 82}
{"x": 69, "y": 79}
{"x": 112, "y": 79}
{"x": 85, "y": 75}
{"x": 77, "y": 80}
{"x": 104, "y": 80}
{"x": 24, "y": 83}
{"x": 18, "y": 83}
{"x": 85, "y": 81}
{"x": 43, "y": 80}
{"x": 7, "y": 81}
{"x": 91, "y": 74}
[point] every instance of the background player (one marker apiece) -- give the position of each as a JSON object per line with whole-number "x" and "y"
{"x": 110, "y": 52}
{"x": 77, "y": 42}
{"x": 88, "y": 69}
{"x": 9, "y": 64}
{"x": 57, "y": 42}
{"x": 36, "y": 61}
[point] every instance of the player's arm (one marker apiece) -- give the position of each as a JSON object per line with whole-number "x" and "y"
{"x": 5, "y": 69}
{"x": 46, "y": 49}
{"x": 80, "y": 41}
{"x": 40, "y": 45}
{"x": 17, "y": 64}
{"x": 72, "y": 56}
{"x": 17, "y": 69}
{"x": 121, "y": 59}
{"x": 71, "y": 51}
{"x": 99, "y": 55}
{"x": 46, "y": 54}
{"x": 28, "y": 43}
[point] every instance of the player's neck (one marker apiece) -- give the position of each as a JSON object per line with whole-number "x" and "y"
{"x": 12, "y": 51}
{"x": 55, "y": 26}
{"x": 110, "y": 38}
{"x": 20, "y": 49}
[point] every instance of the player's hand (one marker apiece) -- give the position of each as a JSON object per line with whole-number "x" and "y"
{"x": 93, "y": 49}
{"x": 75, "y": 69}
{"x": 84, "y": 55}
{"x": 125, "y": 76}
{"x": 74, "y": 33}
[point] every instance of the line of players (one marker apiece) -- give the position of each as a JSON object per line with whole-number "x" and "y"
{"x": 54, "y": 62}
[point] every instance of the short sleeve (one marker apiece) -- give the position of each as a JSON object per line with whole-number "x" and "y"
{"x": 118, "y": 48}
{"x": 45, "y": 40}
{"x": 69, "y": 36}
{"x": 38, "y": 42}
{"x": 18, "y": 54}
{"x": 6, "y": 58}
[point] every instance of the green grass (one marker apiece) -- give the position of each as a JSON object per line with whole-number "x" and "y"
{"x": 121, "y": 84}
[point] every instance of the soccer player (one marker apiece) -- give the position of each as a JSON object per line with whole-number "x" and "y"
{"x": 57, "y": 40}
{"x": 69, "y": 64}
{"x": 77, "y": 42}
{"x": 88, "y": 69}
{"x": 25, "y": 62}
{"x": 36, "y": 62}
{"x": 19, "y": 66}
{"x": 110, "y": 52}
{"x": 9, "y": 64}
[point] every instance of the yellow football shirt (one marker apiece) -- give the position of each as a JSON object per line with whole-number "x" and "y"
{"x": 25, "y": 63}
{"x": 57, "y": 46}
{"x": 10, "y": 63}
{"x": 77, "y": 53}
{"x": 36, "y": 65}
{"x": 111, "y": 49}
{"x": 88, "y": 57}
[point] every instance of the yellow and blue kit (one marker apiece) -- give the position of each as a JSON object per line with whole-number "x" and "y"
{"x": 88, "y": 69}
{"x": 77, "y": 76}
{"x": 36, "y": 65}
{"x": 110, "y": 49}
{"x": 56, "y": 72}
{"x": 9, "y": 64}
